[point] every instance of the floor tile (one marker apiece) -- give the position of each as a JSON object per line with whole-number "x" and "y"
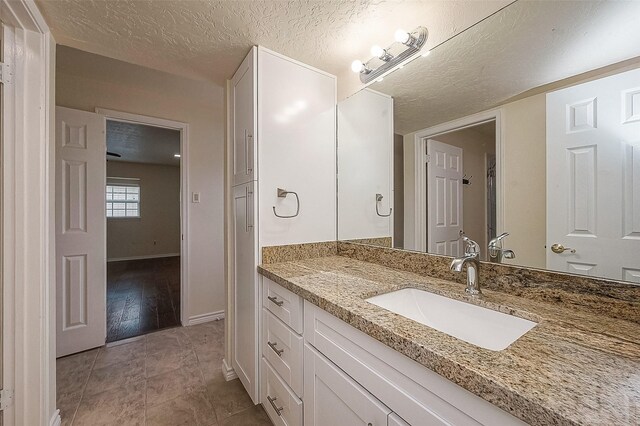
{"x": 169, "y": 360}
{"x": 121, "y": 353}
{"x": 170, "y": 385}
{"x": 172, "y": 377}
{"x": 119, "y": 406}
{"x": 167, "y": 339}
{"x": 187, "y": 410}
{"x": 115, "y": 375}
{"x": 228, "y": 398}
{"x": 253, "y": 416}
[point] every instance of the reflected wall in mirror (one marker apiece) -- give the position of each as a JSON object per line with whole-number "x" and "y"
{"x": 527, "y": 123}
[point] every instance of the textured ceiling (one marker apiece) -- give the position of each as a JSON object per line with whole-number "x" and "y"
{"x": 526, "y": 45}
{"x": 208, "y": 39}
{"x": 142, "y": 144}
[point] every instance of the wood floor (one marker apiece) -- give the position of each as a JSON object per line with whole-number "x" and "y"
{"x": 142, "y": 296}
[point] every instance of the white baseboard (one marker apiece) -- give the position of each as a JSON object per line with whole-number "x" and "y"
{"x": 55, "y": 419}
{"x": 202, "y": 318}
{"x": 150, "y": 256}
{"x": 228, "y": 372}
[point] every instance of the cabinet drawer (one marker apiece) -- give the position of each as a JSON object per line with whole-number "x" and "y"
{"x": 282, "y": 405}
{"x": 283, "y": 349}
{"x": 282, "y": 303}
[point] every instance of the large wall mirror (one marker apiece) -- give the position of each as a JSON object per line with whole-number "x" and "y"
{"x": 528, "y": 123}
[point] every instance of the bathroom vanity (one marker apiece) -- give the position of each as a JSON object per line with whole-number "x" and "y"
{"x": 353, "y": 362}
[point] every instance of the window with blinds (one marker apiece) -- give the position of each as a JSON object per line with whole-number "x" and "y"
{"x": 123, "y": 201}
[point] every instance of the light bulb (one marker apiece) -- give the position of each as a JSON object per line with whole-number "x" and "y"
{"x": 378, "y": 51}
{"x": 357, "y": 66}
{"x": 176, "y": 155}
{"x": 402, "y": 36}
{"x": 426, "y": 53}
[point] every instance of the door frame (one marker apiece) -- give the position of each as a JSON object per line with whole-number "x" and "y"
{"x": 28, "y": 239}
{"x": 420, "y": 174}
{"x": 183, "y": 128}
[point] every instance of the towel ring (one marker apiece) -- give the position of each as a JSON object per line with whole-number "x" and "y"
{"x": 378, "y": 199}
{"x": 282, "y": 193}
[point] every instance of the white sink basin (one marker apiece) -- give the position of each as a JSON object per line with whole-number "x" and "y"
{"x": 476, "y": 325}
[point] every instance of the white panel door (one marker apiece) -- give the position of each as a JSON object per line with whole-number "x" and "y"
{"x": 245, "y": 290}
{"x": 331, "y": 397}
{"x": 593, "y": 177}
{"x": 243, "y": 110}
{"x": 444, "y": 198}
{"x": 297, "y": 131}
{"x": 80, "y": 231}
{"x": 365, "y": 166}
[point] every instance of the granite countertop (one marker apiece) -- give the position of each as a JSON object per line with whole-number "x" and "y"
{"x": 576, "y": 367}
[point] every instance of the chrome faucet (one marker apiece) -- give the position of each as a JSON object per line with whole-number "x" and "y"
{"x": 471, "y": 259}
{"x": 496, "y": 252}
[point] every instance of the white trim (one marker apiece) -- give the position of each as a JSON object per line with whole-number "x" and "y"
{"x": 28, "y": 243}
{"x": 55, "y": 419}
{"x": 420, "y": 138}
{"x": 147, "y": 256}
{"x": 184, "y": 191}
{"x": 202, "y": 318}
{"x": 227, "y": 371}
{"x": 293, "y": 61}
{"x": 125, "y": 341}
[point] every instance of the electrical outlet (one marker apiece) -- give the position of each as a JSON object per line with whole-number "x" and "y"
{"x": 195, "y": 197}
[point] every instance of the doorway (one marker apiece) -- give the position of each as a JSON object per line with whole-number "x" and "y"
{"x": 460, "y": 187}
{"x": 143, "y": 232}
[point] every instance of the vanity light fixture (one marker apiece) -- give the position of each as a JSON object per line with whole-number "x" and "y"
{"x": 406, "y": 47}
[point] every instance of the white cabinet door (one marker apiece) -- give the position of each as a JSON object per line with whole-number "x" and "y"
{"x": 593, "y": 177}
{"x": 396, "y": 420}
{"x": 297, "y": 132}
{"x": 243, "y": 117}
{"x": 81, "y": 291}
{"x": 365, "y": 150}
{"x": 444, "y": 189}
{"x": 333, "y": 398}
{"x": 245, "y": 290}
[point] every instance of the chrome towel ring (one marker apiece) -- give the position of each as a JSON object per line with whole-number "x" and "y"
{"x": 282, "y": 193}
{"x": 378, "y": 199}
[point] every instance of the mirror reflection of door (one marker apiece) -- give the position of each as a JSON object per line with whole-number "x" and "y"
{"x": 461, "y": 188}
{"x": 444, "y": 195}
{"x": 593, "y": 178}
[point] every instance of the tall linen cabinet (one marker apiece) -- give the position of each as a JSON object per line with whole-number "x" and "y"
{"x": 282, "y": 128}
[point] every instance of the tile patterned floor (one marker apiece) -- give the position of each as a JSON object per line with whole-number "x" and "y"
{"x": 170, "y": 377}
{"x": 142, "y": 296}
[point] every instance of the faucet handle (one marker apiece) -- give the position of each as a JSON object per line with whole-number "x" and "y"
{"x": 470, "y": 246}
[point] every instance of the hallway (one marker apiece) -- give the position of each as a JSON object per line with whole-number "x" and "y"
{"x": 142, "y": 296}
{"x": 171, "y": 377}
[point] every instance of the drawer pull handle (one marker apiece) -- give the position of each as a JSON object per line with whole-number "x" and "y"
{"x": 275, "y": 300}
{"x": 276, "y": 350}
{"x": 275, "y": 407}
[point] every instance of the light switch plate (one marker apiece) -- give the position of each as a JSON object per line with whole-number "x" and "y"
{"x": 195, "y": 197}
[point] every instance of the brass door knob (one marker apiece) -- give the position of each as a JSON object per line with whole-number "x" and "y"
{"x": 559, "y": 248}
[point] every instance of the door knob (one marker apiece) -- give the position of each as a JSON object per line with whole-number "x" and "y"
{"x": 559, "y": 248}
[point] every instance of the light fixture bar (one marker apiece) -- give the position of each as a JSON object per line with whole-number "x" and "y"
{"x": 413, "y": 41}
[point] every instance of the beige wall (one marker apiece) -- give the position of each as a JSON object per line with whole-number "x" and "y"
{"x": 475, "y": 146}
{"x": 86, "y": 81}
{"x": 525, "y": 177}
{"x": 157, "y": 231}
{"x": 398, "y": 191}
